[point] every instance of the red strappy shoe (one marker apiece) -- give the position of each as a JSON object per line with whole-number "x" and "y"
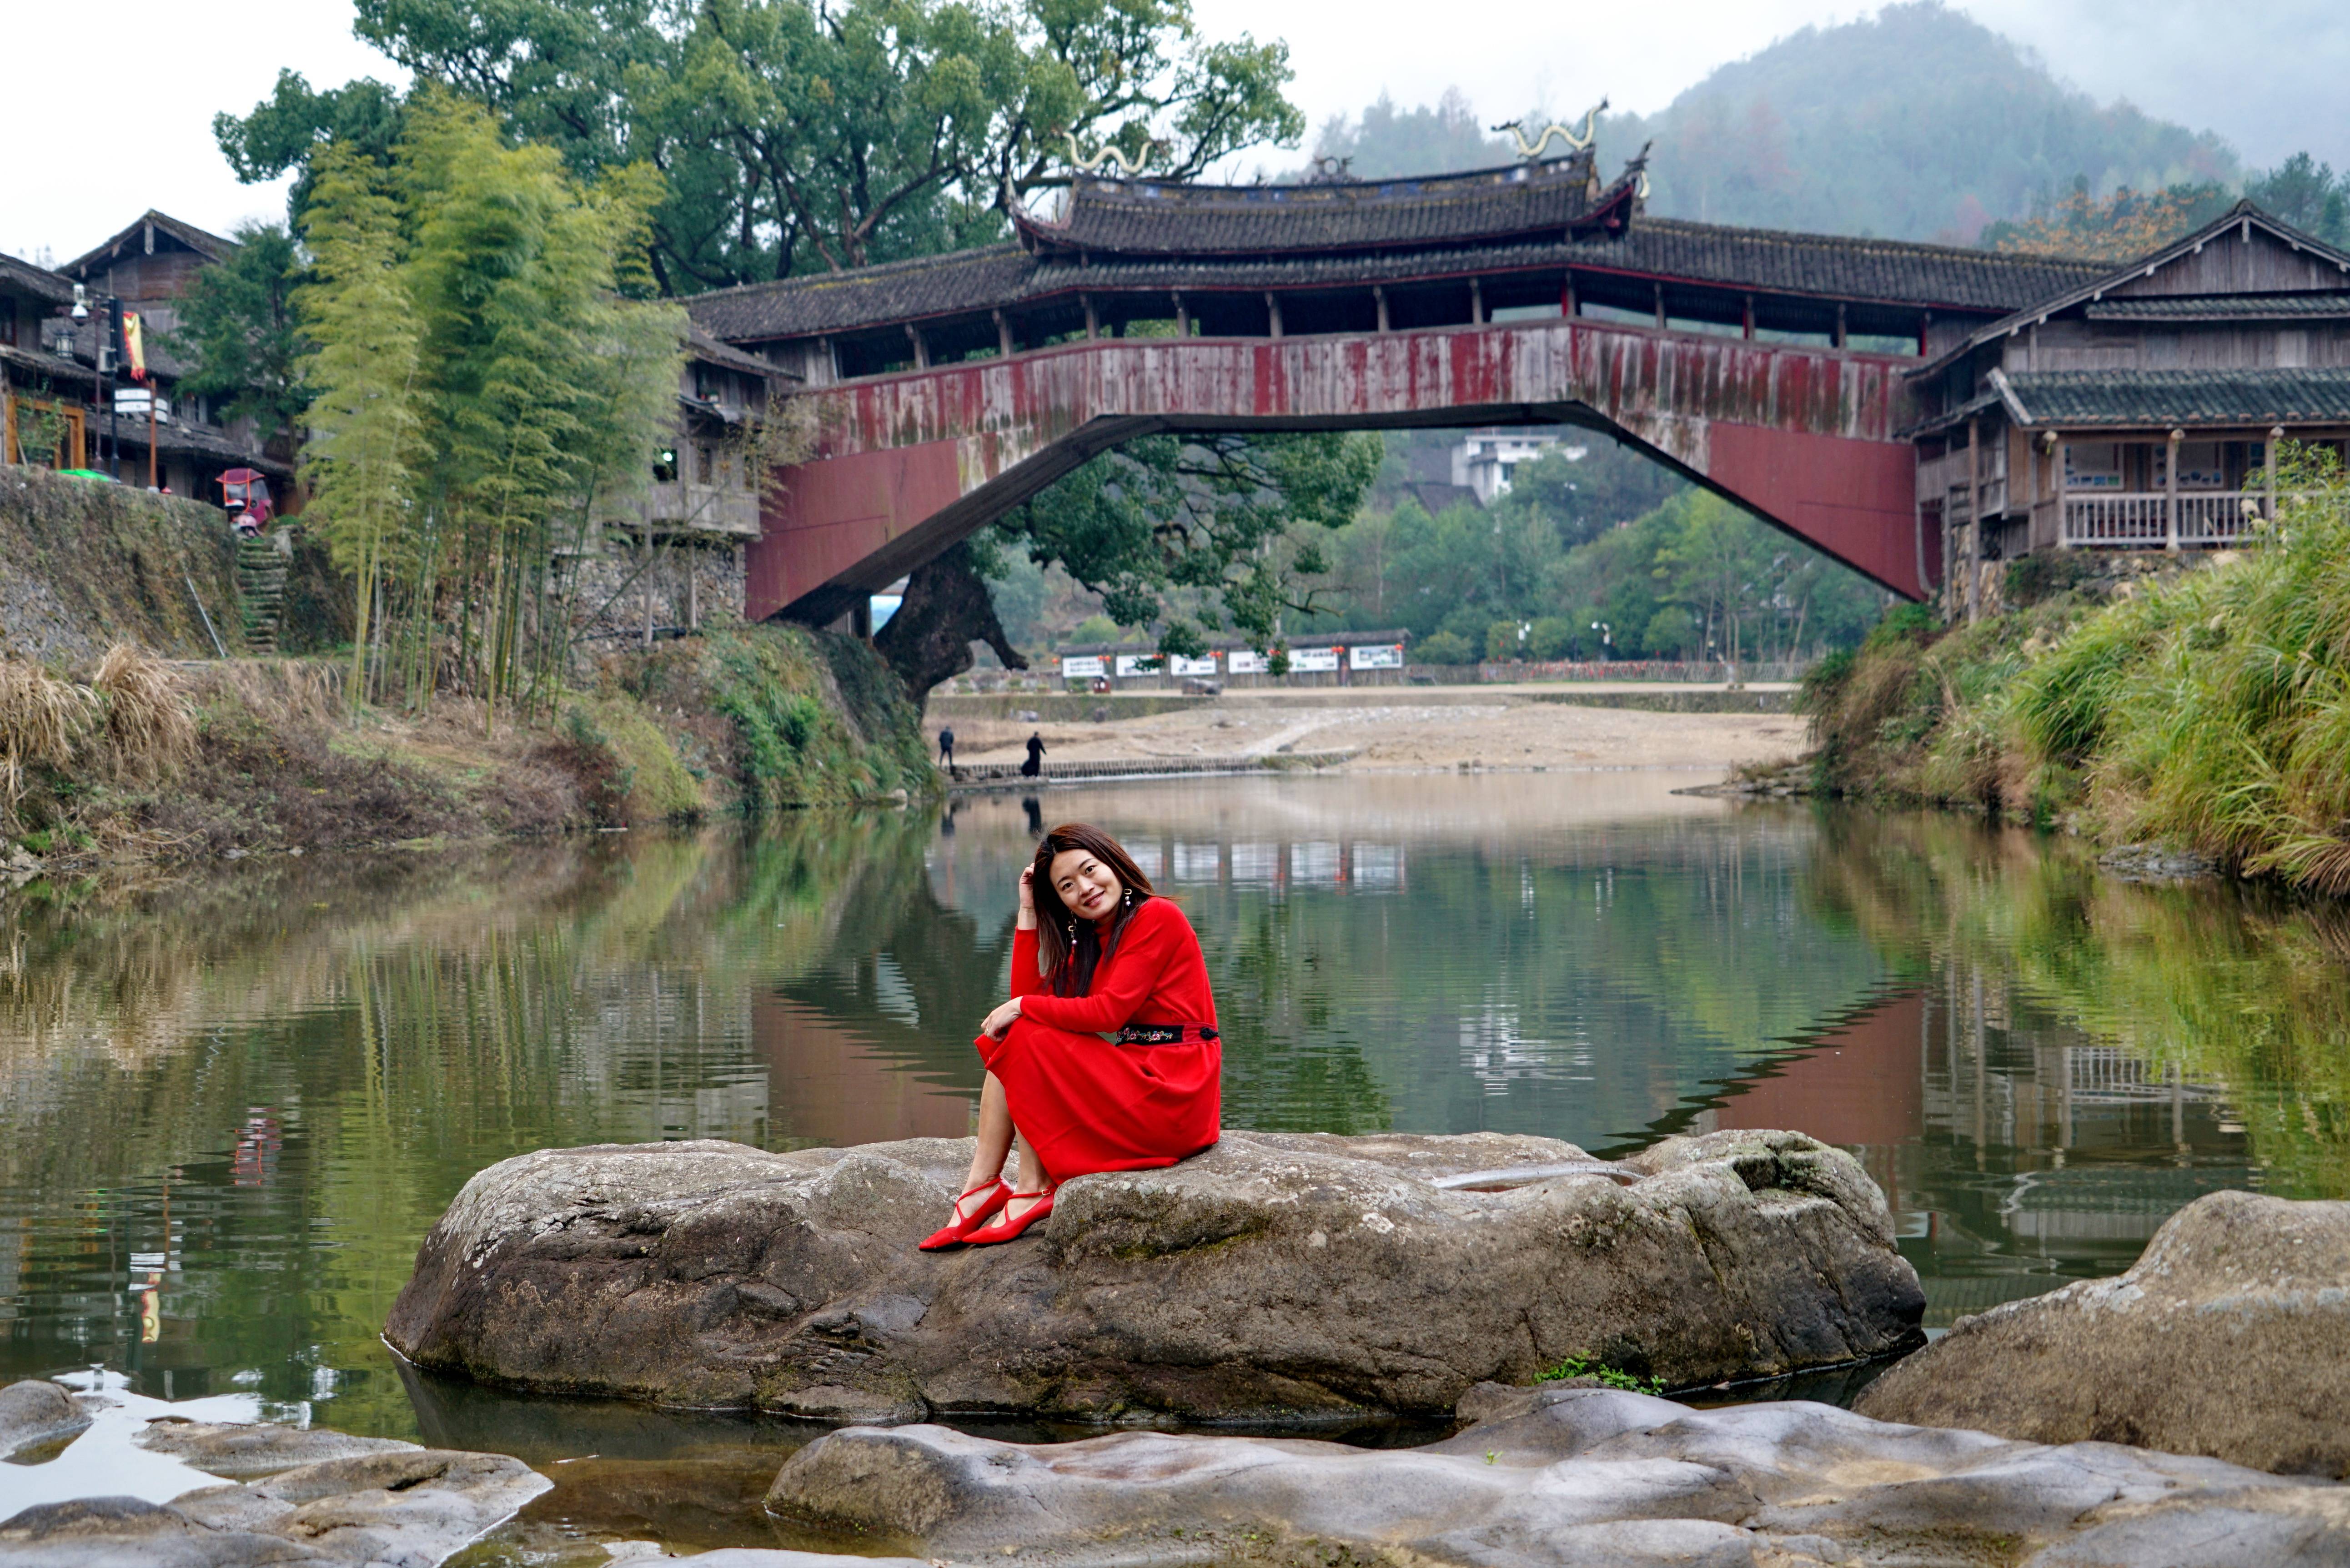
{"x": 1007, "y": 1229}
{"x": 957, "y": 1230}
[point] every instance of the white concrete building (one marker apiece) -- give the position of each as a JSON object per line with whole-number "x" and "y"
{"x": 1484, "y": 458}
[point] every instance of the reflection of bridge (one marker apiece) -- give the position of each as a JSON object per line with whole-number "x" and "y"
{"x": 1765, "y": 366}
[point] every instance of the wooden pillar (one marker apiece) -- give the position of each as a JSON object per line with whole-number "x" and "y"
{"x": 2267, "y": 484}
{"x": 1749, "y": 316}
{"x": 1660, "y": 306}
{"x": 1380, "y": 297}
{"x": 1093, "y": 319}
{"x": 1272, "y": 313}
{"x": 1566, "y": 305}
{"x": 1925, "y": 321}
{"x": 2170, "y": 490}
{"x": 1183, "y": 315}
{"x": 1974, "y": 519}
{"x": 1840, "y": 334}
{"x": 922, "y": 350}
{"x": 860, "y": 617}
{"x": 1003, "y": 334}
{"x": 829, "y": 349}
{"x": 2060, "y": 457}
{"x": 1476, "y": 302}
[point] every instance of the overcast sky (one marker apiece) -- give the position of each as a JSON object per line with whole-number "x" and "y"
{"x": 2268, "y": 78}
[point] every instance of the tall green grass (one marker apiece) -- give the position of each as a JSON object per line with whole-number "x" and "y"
{"x": 2212, "y": 710}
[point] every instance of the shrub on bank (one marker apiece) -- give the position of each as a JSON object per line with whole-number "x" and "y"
{"x": 2208, "y": 709}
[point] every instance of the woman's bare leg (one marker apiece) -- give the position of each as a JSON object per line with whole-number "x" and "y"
{"x": 1031, "y": 1180}
{"x": 995, "y": 1134}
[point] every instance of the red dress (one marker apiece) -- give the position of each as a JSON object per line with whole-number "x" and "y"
{"x": 1085, "y": 1104}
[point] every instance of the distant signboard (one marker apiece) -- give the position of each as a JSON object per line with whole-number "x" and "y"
{"x": 1131, "y": 665}
{"x": 1244, "y": 662}
{"x": 1376, "y": 656}
{"x": 1081, "y": 667}
{"x": 1313, "y": 660}
{"x": 1179, "y": 665}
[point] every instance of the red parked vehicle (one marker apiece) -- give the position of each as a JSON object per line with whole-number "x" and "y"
{"x": 246, "y": 494}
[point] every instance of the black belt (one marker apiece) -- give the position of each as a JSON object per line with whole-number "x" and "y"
{"x": 1165, "y": 1034}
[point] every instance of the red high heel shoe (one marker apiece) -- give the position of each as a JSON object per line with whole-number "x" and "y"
{"x": 957, "y": 1230}
{"x": 1007, "y": 1229}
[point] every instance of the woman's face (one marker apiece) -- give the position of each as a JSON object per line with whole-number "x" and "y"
{"x": 1090, "y": 889}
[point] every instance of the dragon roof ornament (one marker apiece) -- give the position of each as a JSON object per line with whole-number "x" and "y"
{"x": 1109, "y": 152}
{"x": 1530, "y": 150}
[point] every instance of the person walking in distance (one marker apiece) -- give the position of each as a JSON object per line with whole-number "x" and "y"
{"x": 1035, "y": 763}
{"x": 946, "y": 748}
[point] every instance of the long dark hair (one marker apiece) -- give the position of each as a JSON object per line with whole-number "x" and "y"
{"x": 1070, "y": 949}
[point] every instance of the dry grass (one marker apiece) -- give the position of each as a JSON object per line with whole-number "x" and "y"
{"x": 42, "y": 719}
{"x": 147, "y": 726}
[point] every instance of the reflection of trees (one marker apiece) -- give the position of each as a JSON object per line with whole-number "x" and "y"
{"x": 1581, "y": 988}
{"x": 406, "y": 1021}
{"x": 2199, "y": 982}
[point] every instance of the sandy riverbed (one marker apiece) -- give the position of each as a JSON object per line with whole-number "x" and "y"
{"x": 1392, "y": 735}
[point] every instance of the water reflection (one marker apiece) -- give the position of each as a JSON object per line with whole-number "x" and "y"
{"x": 230, "y": 1109}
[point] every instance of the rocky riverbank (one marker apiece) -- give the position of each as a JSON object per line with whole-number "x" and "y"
{"x": 1278, "y": 1278}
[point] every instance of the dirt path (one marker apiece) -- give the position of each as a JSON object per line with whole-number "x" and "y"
{"x": 1401, "y": 735}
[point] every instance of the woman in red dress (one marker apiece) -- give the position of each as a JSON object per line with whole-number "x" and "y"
{"x": 1106, "y": 1058}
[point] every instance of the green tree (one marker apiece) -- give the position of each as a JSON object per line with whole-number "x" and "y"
{"x": 1240, "y": 521}
{"x": 793, "y": 135}
{"x": 488, "y": 390}
{"x": 361, "y": 373}
{"x": 2307, "y": 194}
{"x": 236, "y": 325}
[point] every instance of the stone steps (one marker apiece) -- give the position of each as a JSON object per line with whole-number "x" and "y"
{"x": 260, "y": 593}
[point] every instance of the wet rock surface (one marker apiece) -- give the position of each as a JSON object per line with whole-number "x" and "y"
{"x": 1278, "y": 1277}
{"x": 408, "y": 1508}
{"x": 36, "y": 1412}
{"x": 2230, "y": 1337}
{"x": 238, "y": 1450}
{"x": 1587, "y": 1476}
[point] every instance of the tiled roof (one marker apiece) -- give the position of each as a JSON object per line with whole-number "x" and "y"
{"x": 2182, "y": 397}
{"x": 1145, "y": 217}
{"x": 1821, "y": 266}
{"x": 1831, "y": 266}
{"x": 203, "y": 242}
{"x": 894, "y": 291}
{"x": 37, "y": 281}
{"x": 2222, "y": 308}
{"x": 2103, "y": 277}
{"x": 702, "y": 346}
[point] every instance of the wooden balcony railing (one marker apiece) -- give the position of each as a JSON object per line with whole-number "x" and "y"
{"x": 2157, "y": 521}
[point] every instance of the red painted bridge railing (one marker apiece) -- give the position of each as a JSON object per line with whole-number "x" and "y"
{"x": 907, "y": 464}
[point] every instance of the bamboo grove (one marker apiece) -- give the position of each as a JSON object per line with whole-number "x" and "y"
{"x": 489, "y": 382}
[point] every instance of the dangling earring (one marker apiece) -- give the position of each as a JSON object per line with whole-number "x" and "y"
{"x": 1073, "y": 933}
{"x": 1129, "y": 900}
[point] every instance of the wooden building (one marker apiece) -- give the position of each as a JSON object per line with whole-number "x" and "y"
{"x": 2139, "y": 410}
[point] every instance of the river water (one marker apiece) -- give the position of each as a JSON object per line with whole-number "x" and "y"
{"x": 231, "y": 1106}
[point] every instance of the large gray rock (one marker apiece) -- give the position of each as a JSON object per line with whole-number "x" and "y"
{"x": 2230, "y": 1337}
{"x": 1586, "y": 1477}
{"x": 1276, "y": 1277}
{"x": 243, "y": 1449}
{"x": 36, "y": 1412}
{"x": 412, "y": 1508}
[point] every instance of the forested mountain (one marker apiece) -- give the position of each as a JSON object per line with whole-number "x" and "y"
{"x": 1916, "y": 123}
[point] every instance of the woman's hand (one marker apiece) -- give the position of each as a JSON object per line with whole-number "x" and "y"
{"x": 1027, "y": 919}
{"x": 998, "y": 1022}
